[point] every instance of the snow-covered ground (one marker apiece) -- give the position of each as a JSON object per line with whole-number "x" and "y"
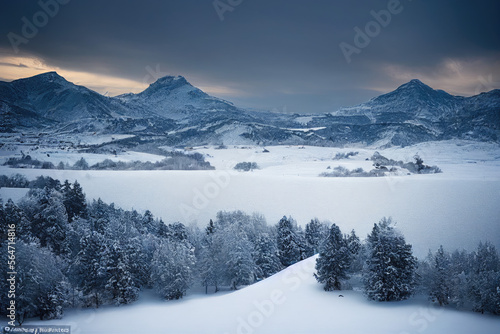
{"x": 459, "y": 159}
{"x": 457, "y": 208}
{"x": 99, "y": 139}
{"x": 288, "y": 302}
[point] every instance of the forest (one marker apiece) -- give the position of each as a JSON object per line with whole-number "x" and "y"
{"x": 75, "y": 253}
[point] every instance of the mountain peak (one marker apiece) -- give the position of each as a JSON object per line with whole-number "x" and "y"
{"x": 414, "y": 84}
{"x": 417, "y": 89}
{"x": 168, "y": 83}
{"x": 47, "y": 77}
{"x": 53, "y": 75}
{"x": 415, "y": 95}
{"x": 171, "y": 80}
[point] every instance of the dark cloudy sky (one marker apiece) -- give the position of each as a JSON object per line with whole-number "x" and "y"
{"x": 264, "y": 54}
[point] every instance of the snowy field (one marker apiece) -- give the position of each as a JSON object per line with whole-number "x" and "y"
{"x": 288, "y": 302}
{"x": 457, "y": 208}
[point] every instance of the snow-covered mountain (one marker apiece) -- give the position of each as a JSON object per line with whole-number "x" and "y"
{"x": 51, "y": 97}
{"x": 413, "y": 113}
{"x": 175, "y": 98}
{"x": 176, "y": 113}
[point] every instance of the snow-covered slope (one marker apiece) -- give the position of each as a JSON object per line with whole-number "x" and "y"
{"x": 288, "y": 302}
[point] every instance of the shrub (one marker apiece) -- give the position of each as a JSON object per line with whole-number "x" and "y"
{"x": 246, "y": 166}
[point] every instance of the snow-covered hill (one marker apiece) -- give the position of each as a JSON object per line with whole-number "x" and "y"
{"x": 288, "y": 302}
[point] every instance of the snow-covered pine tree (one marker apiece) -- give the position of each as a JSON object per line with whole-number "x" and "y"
{"x": 171, "y": 269}
{"x": 334, "y": 260}
{"x": 484, "y": 281}
{"x": 81, "y": 164}
{"x": 39, "y": 279}
{"x": 120, "y": 281}
{"x": 265, "y": 255}
{"x": 460, "y": 270}
{"x": 440, "y": 275}
{"x": 45, "y": 182}
{"x": 12, "y": 214}
{"x": 290, "y": 248}
{"x": 99, "y": 215}
{"x": 46, "y": 211}
{"x": 239, "y": 265}
{"x": 149, "y": 225}
{"x": 211, "y": 264}
{"x": 74, "y": 200}
{"x": 177, "y": 232}
{"x": 250, "y": 225}
{"x": 210, "y": 229}
{"x": 389, "y": 274}
{"x": 353, "y": 243}
{"x": 206, "y": 262}
{"x": 315, "y": 233}
{"x": 90, "y": 267}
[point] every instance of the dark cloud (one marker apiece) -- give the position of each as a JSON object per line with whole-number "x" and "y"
{"x": 276, "y": 53}
{"x": 13, "y": 65}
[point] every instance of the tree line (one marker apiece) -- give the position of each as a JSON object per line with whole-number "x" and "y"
{"x": 390, "y": 272}
{"x": 172, "y": 161}
{"x": 73, "y": 253}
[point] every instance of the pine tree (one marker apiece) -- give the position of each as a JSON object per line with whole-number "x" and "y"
{"x": 120, "y": 282}
{"x": 81, "y": 165}
{"x": 353, "y": 243}
{"x": 460, "y": 270}
{"x": 99, "y": 216}
{"x": 66, "y": 191}
{"x": 74, "y": 200}
{"x": 177, "y": 232}
{"x": 171, "y": 269}
{"x": 316, "y": 232}
{"x": 90, "y": 267}
{"x": 240, "y": 267}
{"x": 290, "y": 250}
{"x": 390, "y": 271}
{"x": 484, "y": 281}
{"x": 149, "y": 225}
{"x": 39, "y": 279}
{"x": 265, "y": 255}
{"x": 13, "y": 215}
{"x": 210, "y": 229}
{"x": 334, "y": 260}
{"x": 47, "y": 214}
{"x": 440, "y": 285}
{"x": 211, "y": 262}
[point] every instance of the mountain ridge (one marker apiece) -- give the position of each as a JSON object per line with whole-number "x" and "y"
{"x": 182, "y": 114}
